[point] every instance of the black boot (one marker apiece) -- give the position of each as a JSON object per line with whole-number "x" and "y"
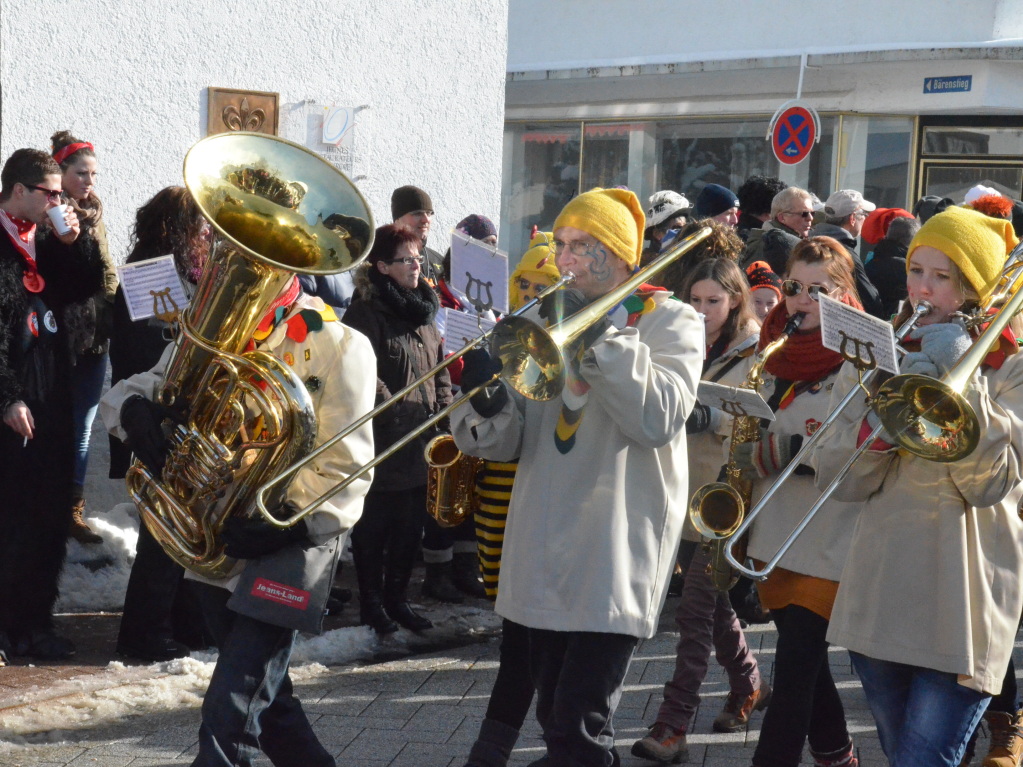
{"x": 369, "y": 572}
{"x": 438, "y": 584}
{"x": 493, "y": 745}
{"x": 396, "y": 602}
{"x": 466, "y": 574}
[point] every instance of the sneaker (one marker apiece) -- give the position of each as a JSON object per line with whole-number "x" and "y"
{"x": 664, "y": 744}
{"x": 78, "y": 528}
{"x": 736, "y": 713}
{"x": 843, "y": 757}
{"x": 1006, "y": 749}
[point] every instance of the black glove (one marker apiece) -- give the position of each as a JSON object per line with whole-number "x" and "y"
{"x": 478, "y": 367}
{"x": 142, "y": 421}
{"x": 562, "y": 304}
{"x": 699, "y": 420}
{"x": 252, "y": 537}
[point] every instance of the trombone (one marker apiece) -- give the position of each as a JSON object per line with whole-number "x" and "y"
{"x": 931, "y": 418}
{"x": 922, "y": 309}
{"x": 533, "y": 363}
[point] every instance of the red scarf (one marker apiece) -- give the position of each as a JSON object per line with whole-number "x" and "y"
{"x": 802, "y": 357}
{"x": 22, "y": 235}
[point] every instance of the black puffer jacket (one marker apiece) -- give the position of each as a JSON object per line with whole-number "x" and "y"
{"x": 399, "y": 322}
{"x": 887, "y": 270}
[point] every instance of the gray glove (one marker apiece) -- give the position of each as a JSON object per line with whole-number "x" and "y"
{"x": 944, "y": 343}
{"x": 919, "y": 364}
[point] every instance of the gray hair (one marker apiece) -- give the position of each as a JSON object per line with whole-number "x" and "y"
{"x": 784, "y": 200}
{"x": 902, "y": 230}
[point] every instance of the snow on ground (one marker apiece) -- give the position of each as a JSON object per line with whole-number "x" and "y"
{"x": 95, "y": 578}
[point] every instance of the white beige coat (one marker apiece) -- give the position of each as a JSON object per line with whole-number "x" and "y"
{"x": 341, "y": 361}
{"x": 934, "y": 574}
{"x": 592, "y": 533}
{"x": 822, "y": 548}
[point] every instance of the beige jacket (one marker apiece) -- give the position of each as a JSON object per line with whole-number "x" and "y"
{"x": 822, "y": 548}
{"x": 708, "y": 450}
{"x": 934, "y": 574}
{"x": 593, "y": 531}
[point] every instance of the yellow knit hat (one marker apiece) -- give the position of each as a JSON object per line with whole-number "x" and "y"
{"x": 613, "y": 216}
{"x": 538, "y": 260}
{"x": 976, "y": 243}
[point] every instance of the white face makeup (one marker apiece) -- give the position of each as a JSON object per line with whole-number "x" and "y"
{"x": 597, "y": 270}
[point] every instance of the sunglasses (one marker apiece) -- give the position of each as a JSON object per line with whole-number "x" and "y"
{"x": 795, "y": 287}
{"x": 800, "y": 213}
{"x": 51, "y": 194}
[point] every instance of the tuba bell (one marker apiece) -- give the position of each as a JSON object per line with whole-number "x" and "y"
{"x": 276, "y": 209}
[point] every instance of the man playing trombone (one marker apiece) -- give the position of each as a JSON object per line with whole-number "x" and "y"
{"x": 600, "y": 494}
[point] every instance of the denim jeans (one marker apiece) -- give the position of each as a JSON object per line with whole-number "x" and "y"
{"x": 87, "y": 386}
{"x": 706, "y": 623}
{"x": 250, "y": 704}
{"x": 924, "y": 717}
{"x": 578, "y": 677}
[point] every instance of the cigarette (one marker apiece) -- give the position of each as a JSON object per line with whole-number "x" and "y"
{"x": 24, "y": 442}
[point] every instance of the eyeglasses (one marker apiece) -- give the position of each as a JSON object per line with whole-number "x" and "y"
{"x": 800, "y": 213}
{"x": 860, "y": 213}
{"x": 795, "y": 287}
{"x": 575, "y": 247}
{"x": 51, "y": 194}
{"x": 408, "y": 260}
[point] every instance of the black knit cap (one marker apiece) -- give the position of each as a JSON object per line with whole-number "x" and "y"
{"x": 406, "y": 199}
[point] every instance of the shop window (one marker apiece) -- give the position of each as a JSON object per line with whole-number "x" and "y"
{"x": 962, "y": 140}
{"x": 541, "y": 174}
{"x": 875, "y": 158}
{"x": 692, "y": 154}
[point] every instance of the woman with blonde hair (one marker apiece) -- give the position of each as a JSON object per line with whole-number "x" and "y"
{"x": 938, "y": 548}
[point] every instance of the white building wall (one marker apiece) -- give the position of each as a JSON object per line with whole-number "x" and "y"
{"x": 571, "y": 33}
{"x": 132, "y": 78}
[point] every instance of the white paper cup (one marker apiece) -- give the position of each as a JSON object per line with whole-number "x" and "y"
{"x": 56, "y": 214}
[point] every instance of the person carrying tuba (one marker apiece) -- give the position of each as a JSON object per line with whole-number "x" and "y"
{"x": 250, "y": 705}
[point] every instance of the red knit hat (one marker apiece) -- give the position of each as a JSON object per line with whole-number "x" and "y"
{"x": 875, "y": 226}
{"x": 760, "y": 275}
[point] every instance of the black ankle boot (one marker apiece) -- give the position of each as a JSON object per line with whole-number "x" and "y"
{"x": 438, "y": 584}
{"x": 396, "y": 602}
{"x": 371, "y": 613}
{"x": 466, "y": 575}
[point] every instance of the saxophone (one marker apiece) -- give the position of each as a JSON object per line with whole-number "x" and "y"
{"x": 451, "y": 495}
{"x": 717, "y": 509}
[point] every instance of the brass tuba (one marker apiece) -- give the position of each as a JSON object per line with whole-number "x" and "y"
{"x": 276, "y": 210}
{"x": 451, "y": 495}
{"x": 717, "y": 509}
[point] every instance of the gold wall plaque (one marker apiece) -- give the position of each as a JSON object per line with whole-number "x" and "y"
{"x": 230, "y": 110}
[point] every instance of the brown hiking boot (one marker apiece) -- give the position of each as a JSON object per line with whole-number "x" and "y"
{"x": 664, "y": 744}
{"x": 736, "y": 713}
{"x": 1006, "y": 747}
{"x": 78, "y": 528}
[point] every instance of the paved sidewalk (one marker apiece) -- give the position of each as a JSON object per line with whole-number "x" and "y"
{"x": 425, "y": 711}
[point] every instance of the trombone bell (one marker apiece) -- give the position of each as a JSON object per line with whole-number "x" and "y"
{"x": 928, "y": 418}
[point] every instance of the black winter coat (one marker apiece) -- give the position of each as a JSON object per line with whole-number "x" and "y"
{"x": 391, "y": 334}
{"x": 887, "y": 270}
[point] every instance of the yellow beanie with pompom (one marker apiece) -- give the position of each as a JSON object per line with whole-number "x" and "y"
{"x": 613, "y": 216}
{"x": 976, "y": 243}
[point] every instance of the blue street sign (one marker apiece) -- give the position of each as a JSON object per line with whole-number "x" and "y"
{"x": 954, "y": 84}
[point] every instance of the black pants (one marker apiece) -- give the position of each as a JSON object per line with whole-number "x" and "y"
{"x": 250, "y": 705}
{"x": 1006, "y": 701}
{"x": 387, "y": 536}
{"x": 513, "y": 688}
{"x": 578, "y": 677}
{"x": 158, "y": 602}
{"x": 805, "y": 702}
